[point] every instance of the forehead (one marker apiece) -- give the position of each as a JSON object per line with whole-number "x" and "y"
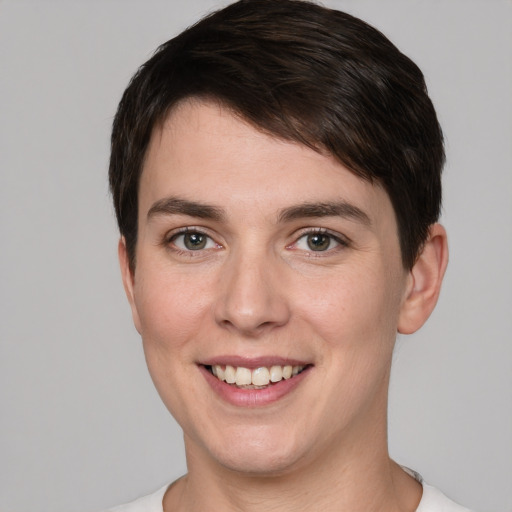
{"x": 205, "y": 152}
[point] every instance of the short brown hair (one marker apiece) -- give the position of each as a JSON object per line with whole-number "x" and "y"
{"x": 300, "y": 72}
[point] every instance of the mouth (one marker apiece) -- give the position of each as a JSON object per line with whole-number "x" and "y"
{"x": 258, "y": 378}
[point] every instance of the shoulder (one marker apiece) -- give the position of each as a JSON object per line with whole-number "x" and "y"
{"x": 149, "y": 503}
{"x": 434, "y": 500}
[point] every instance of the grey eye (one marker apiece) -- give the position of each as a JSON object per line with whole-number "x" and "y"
{"x": 193, "y": 241}
{"x": 319, "y": 241}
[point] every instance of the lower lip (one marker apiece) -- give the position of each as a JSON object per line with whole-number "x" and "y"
{"x": 253, "y": 397}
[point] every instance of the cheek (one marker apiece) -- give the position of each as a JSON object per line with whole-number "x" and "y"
{"x": 171, "y": 308}
{"x": 354, "y": 309}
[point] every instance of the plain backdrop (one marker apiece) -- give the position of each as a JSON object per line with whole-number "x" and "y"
{"x": 81, "y": 427}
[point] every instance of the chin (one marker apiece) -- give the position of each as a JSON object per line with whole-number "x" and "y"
{"x": 266, "y": 454}
{"x": 259, "y": 464}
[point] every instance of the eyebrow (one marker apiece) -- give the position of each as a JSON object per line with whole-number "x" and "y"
{"x": 329, "y": 209}
{"x": 179, "y": 206}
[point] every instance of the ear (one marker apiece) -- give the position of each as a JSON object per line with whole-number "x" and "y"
{"x": 128, "y": 280}
{"x": 424, "y": 282}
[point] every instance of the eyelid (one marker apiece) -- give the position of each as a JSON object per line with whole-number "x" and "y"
{"x": 186, "y": 229}
{"x": 171, "y": 235}
{"x": 340, "y": 239}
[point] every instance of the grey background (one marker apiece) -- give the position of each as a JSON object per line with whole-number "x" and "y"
{"x": 81, "y": 427}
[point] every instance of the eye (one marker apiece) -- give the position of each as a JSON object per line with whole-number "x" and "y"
{"x": 318, "y": 242}
{"x": 192, "y": 241}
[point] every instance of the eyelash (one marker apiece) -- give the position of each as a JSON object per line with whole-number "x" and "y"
{"x": 170, "y": 240}
{"x": 342, "y": 242}
{"x": 338, "y": 239}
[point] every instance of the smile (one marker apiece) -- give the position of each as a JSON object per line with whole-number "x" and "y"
{"x": 258, "y": 378}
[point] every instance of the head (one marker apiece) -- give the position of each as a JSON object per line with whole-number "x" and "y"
{"x": 276, "y": 176}
{"x": 302, "y": 73}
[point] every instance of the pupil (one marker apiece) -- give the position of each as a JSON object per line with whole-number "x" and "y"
{"x": 318, "y": 242}
{"x": 194, "y": 241}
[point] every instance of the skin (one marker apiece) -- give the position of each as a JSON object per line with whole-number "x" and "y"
{"x": 257, "y": 289}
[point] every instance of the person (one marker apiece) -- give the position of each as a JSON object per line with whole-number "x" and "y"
{"x": 276, "y": 176}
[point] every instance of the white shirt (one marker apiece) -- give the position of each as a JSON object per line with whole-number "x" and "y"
{"x": 432, "y": 500}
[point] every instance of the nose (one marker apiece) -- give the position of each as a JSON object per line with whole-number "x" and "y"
{"x": 252, "y": 295}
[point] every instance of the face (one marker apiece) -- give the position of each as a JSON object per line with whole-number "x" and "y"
{"x": 257, "y": 258}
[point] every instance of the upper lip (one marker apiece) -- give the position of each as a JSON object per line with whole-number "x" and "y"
{"x": 253, "y": 362}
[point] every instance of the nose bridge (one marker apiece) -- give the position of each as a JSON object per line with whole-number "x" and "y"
{"x": 251, "y": 299}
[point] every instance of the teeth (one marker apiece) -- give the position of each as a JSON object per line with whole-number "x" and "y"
{"x": 260, "y": 377}
{"x": 243, "y": 376}
{"x": 287, "y": 372}
{"x": 276, "y": 373}
{"x": 220, "y": 373}
{"x": 229, "y": 375}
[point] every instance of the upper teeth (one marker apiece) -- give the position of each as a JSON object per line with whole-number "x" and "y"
{"x": 262, "y": 376}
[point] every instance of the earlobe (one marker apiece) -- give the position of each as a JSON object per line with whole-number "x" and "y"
{"x": 424, "y": 282}
{"x": 128, "y": 280}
